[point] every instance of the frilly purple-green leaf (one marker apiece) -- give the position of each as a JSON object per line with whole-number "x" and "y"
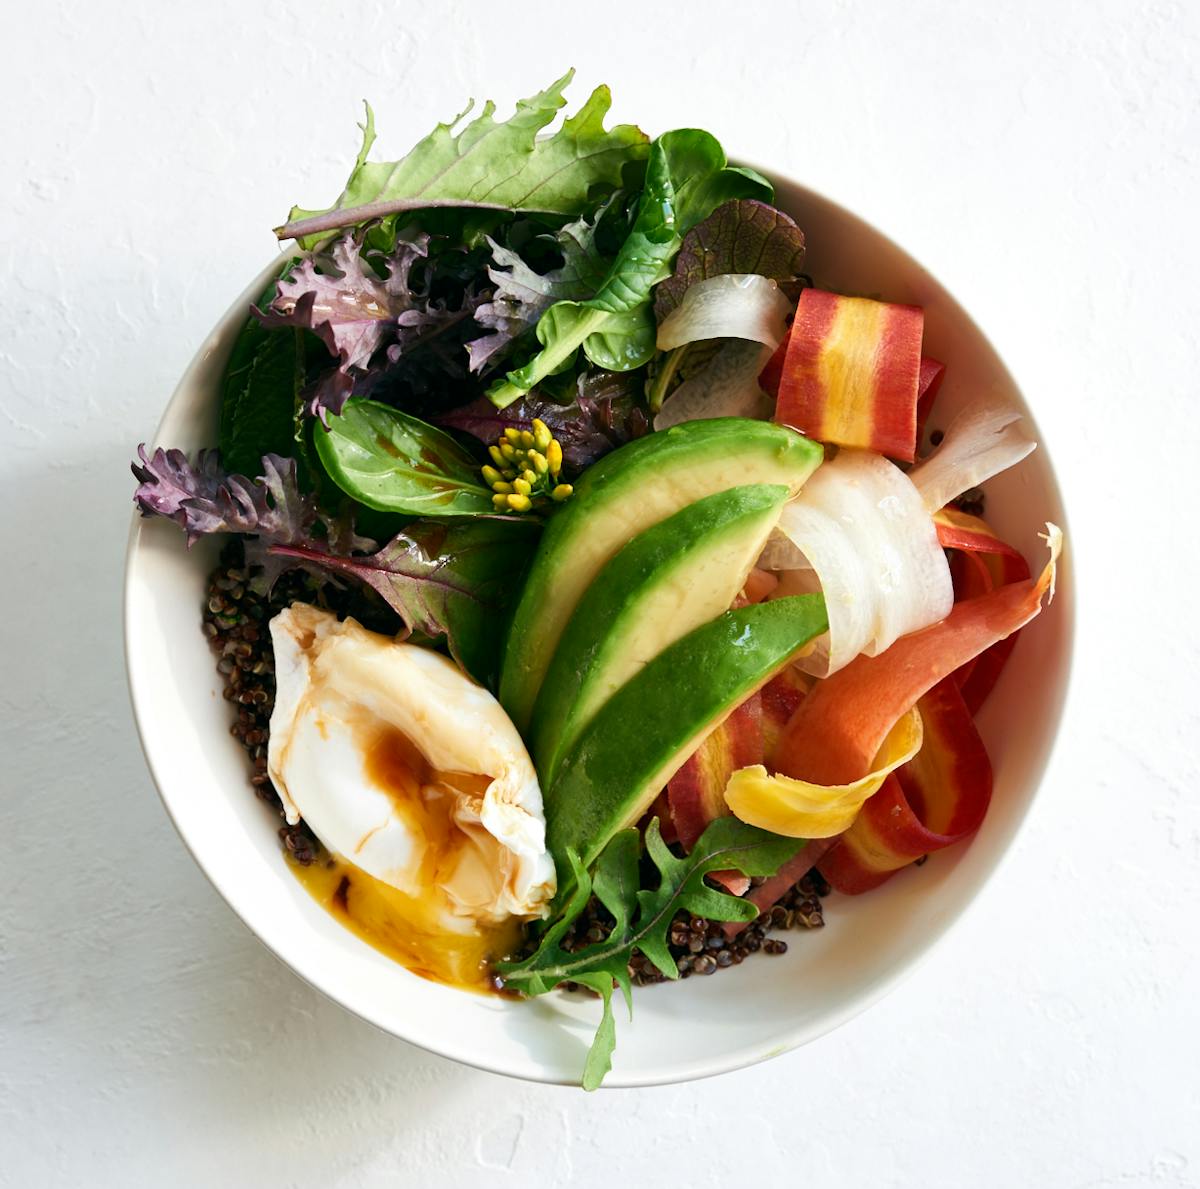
{"x": 271, "y": 510}
{"x": 357, "y": 313}
{"x": 445, "y": 579}
{"x": 743, "y": 236}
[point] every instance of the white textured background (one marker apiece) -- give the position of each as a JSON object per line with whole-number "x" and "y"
{"x": 1041, "y": 157}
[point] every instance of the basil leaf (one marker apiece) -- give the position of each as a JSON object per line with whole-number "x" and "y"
{"x": 392, "y": 462}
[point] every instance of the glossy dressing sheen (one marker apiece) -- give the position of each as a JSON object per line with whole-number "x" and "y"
{"x": 410, "y": 929}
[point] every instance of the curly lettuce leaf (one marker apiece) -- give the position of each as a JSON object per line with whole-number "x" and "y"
{"x": 446, "y": 580}
{"x": 642, "y": 916}
{"x": 483, "y": 163}
{"x": 743, "y": 236}
{"x": 687, "y": 177}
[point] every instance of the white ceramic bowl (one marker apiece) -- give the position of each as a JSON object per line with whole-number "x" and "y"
{"x": 699, "y": 1027}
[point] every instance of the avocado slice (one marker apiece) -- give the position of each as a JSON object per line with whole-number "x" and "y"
{"x": 676, "y": 575}
{"x": 643, "y": 734}
{"x": 623, "y": 494}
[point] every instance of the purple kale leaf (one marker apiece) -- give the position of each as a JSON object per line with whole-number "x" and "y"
{"x": 445, "y": 579}
{"x": 604, "y": 416}
{"x": 268, "y": 511}
{"x": 743, "y": 236}
{"x": 522, "y": 295}
{"x": 362, "y": 315}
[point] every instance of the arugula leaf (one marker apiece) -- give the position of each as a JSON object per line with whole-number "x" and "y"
{"x": 445, "y": 579}
{"x": 500, "y": 166}
{"x": 642, "y": 917}
{"x": 687, "y": 176}
{"x": 744, "y": 236}
{"x": 392, "y": 462}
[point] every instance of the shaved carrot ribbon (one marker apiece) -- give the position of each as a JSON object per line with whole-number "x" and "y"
{"x": 779, "y": 884}
{"x": 982, "y": 562}
{"x": 929, "y": 383}
{"x": 935, "y": 800}
{"x": 696, "y": 791}
{"x": 851, "y": 373}
{"x": 841, "y": 725}
{"x": 801, "y": 809}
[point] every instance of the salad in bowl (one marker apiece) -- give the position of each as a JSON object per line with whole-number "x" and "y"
{"x": 597, "y": 590}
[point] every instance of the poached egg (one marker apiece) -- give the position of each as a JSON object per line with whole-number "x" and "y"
{"x": 407, "y": 770}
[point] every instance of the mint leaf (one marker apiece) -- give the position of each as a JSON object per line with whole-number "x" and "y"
{"x": 642, "y": 917}
{"x": 502, "y": 166}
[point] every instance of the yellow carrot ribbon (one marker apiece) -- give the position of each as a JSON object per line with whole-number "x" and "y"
{"x": 801, "y": 809}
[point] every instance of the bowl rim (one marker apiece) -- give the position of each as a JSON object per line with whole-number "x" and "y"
{"x": 856, "y": 1001}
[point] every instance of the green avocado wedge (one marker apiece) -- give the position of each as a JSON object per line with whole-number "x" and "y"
{"x": 676, "y": 575}
{"x": 649, "y": 727}
{"x": 621, "y": 496}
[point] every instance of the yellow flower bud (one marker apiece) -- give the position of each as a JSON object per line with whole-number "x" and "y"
{"x": 500, "y": 502}
{"x": 538, "y": 461}
{"x": 561, "y": 492}
{"x": 513, "y": 435}
{"x": 496, "y": 456}
{"x": 491, "y": 476}
{"x": 554, "y": 458}
{"x": 530, "y": 477}
{"x": 519, "y": 503}
{"x": 542, "y": 437}
{"x": 509, "y": 453}
{"x": 526, "y": 439}
{"x": 502, "y": 487}
{"x": 521, "y": 487}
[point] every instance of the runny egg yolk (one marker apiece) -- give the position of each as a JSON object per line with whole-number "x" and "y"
{"x": 411, "y": 928}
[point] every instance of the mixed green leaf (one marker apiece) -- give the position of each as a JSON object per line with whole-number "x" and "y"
{"x": 459, "y": 336}
{"x": 687, "y": 177}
